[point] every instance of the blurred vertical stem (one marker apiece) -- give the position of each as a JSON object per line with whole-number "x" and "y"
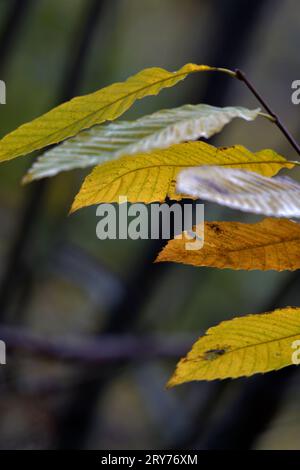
{"x": 16, "y": 273}
{"x": 16, "y": 17}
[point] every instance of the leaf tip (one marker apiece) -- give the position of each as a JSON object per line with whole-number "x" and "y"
{"x": 28, "y": 178}
{"x": 172, "y": 382}
{"x": 160, "y": 257}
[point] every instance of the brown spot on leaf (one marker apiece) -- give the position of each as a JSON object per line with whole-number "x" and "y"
{"x": 212, "y": 354}
{"x": 226, "y": 148}
{"x": 216, "y": 228}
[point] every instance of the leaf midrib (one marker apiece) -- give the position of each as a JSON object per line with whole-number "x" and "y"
{"x": 263, "y": 245}
{"x": 175, "y": 165}
{"x": 247, "y": 346}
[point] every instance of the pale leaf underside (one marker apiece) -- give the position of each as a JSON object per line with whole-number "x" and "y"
{"x": 155, "y": 131}
{"x": 243, "y": 190}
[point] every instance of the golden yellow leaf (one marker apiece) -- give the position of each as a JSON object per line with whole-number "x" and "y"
{"x": 85, "y": 111}
{"x": 242, "y": 347}
{"x": 150, "y": 177}
{"x": 266, "y": 245}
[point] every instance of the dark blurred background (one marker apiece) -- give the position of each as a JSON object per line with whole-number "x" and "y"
{"x": 94, "y": 329}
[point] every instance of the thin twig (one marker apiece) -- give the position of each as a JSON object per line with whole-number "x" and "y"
{"x": 241, "y": 76}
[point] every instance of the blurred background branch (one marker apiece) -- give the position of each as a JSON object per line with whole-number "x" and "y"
{"x": 103, "y": 349}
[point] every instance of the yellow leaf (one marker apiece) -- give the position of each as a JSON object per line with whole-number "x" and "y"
{"x": 266, "y": 245}
{"x": 85, "y": 111}
{"x": 242, "y": 347}
{"x": 150, "y": 177}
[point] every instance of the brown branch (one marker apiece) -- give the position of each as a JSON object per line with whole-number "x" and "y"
{"x": 275, "y": 118}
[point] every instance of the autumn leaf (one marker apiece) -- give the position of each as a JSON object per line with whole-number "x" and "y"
{"x": 272, "y": 244}
{"x": 243, "y": 190}
{"x": 85, "y": 111}
{"x": 152, "y": 176}
{"x": 242, "y": 347}
{"x": 155, "y": 131}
